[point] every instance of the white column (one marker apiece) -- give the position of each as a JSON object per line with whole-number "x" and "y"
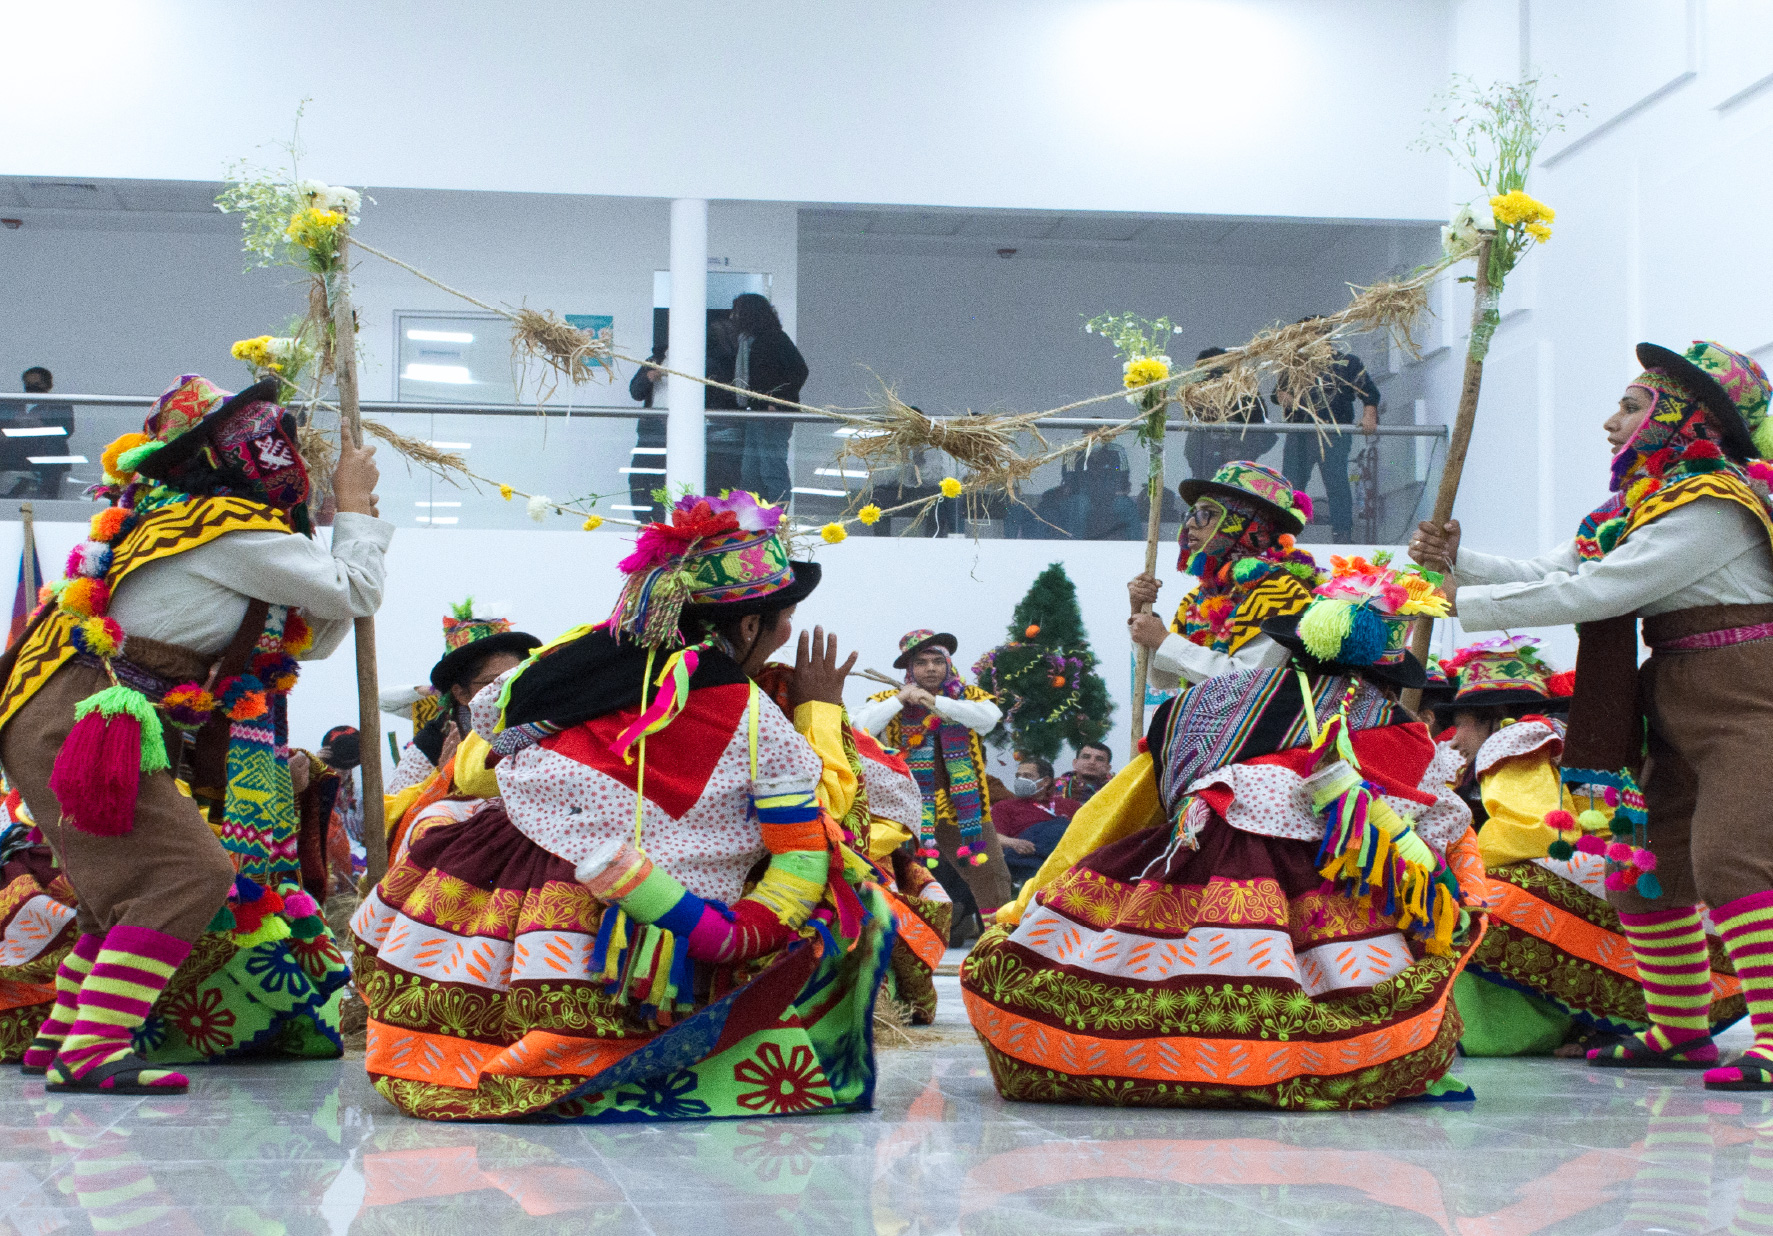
{"x": 685, "y": 446}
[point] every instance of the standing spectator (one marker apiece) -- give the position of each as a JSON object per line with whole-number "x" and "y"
{"x": 1208, "y": 450}
{"x": 35, "y": 480}
{"x": 768, "y": 364}
{"x": 725, "y": 437}
{"x": 723, "y": 440}
{"x": 1331, "y": 398}
{"x": 1090, "y": 771}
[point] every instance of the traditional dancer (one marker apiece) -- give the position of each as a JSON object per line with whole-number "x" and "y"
{"x": 1554, "y": 972}
{"x": 935, "y": 721}
{"x": 1237, "y": 540}
{"x": 1684, "y": 542}
{"x": 586, "y": 948}
{"x": 166, "y": 654}
{"x": 478, "y": 650}
{"x": 1183, "y": 948}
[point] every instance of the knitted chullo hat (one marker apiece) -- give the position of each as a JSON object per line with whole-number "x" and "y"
{"x": 914, "y": 642}
{"x": 1359, "y": 619}
{"x": 1732, "y": 386}
{"x": 1499, "y": 672}
{"x": 718, "y": 555}
{"x": 1269, "y": 490}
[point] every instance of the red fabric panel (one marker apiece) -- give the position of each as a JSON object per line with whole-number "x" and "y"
{"x": 679, "y": 759}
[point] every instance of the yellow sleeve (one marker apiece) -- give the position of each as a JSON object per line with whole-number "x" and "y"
{"x": 885, "y": 836}
{"x": 1518, "y": 794}
{"x": 1122, "y": 807}
{"x": 821, "y": 724}
{"x": 395, "y": 806}
{"x": 472, "y": 777}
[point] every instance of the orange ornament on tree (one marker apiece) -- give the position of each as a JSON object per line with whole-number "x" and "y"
{"x": 1058, "y": 680}
{"x": 1033, "y": 630}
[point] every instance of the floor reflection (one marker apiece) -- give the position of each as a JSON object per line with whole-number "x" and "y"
{"x": 265, "y": 1150}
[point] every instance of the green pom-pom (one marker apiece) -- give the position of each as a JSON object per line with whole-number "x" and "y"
{"x": 1592, "y": 821}
{"x": 1607, "y": 535}
{"x": 1246, "y": 569}
{"x": 1620, "y": 826}
{"x": 1560, "y": 850}
{"x": 127, "y": 701}
{"x": 1325, "y": 624}
{"x": 272, "y": 928}
{"x": 132, "y": 459}
{"x": 308, "y": 928}
{"x": 223, "y": 920}
{"x": 1300, "y": 570}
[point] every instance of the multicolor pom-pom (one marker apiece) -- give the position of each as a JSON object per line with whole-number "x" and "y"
{"x": 979, "y": 860}
{"x": 1610, "y": 796}
{"x": 187, "y": 706}
{"x": 111, "y": 456}
{"x": 1616, "y": 880}
{"x": 85, "y": 598}
{"x": 298, "y": 636}
{"x": 1643, "y": 860}
{"x": 242, "y": 697}
{"x": 108, "y": 523}
{"x": 277, "y": 670}
{"x": 89, "y": 558}
{"x": 1302, "y": 504}
{"x": 97, "y": 636}
{"x": 1560, "y": 850}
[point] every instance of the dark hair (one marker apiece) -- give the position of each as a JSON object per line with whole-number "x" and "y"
{"x": 1100, "y": 746}
{"x": 1043, "y": 767}
{"x": 26, "y": 375}
{"x": 753, "y": 314}
{"x": 727, "y": 625}
{"x": 1209, "y": 354}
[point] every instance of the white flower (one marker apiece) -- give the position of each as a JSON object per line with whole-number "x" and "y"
{"x": 322, "y": 196}
{"x": 538, "y": 507}
{"x": 1461, "y": 235}
{"x": 1481, "y": 214}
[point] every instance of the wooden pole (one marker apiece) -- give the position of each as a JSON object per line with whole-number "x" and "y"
{"x": 369, "y": 708}
{"x": 28, "y": 513}
{"x": 1154, "y": 490}
{"x": 1482, "y": 305}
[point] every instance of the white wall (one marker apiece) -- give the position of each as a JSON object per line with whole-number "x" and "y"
{"x": 1660, "y": 192}
{"x": 1168, "y": 105}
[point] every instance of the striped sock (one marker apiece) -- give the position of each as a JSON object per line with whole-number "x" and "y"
{"x": 1671, "y": 1191}
{"x": 1675, "y": 970}
{"x": 68, "y": 977}
{"x": 1746, "y": 926}
{"x": 131, "y": 971}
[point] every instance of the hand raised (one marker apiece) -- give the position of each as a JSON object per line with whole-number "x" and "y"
{"x": 817, "y": 675}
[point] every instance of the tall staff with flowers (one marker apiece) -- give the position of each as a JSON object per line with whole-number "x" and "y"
{"x": 1494, "y": 132}
{"x": 1145, "y": 370}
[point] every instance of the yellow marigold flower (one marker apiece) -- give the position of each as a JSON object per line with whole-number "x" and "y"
{"x": 593, "y": 523}
{"x": 1518, "y": 206}
{"x": 869, "y": 514}
{"x": 252, "y": 351}
{"x": 312, "y": 228}
{"x": 950, "y": 487}
{"x": 1144, "y": 371}
{"x": 505, "y": 492}
{"x": 833, "y": 533}
{"x": 1539, "y": 232}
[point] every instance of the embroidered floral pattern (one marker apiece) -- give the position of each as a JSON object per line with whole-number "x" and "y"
{"x": 200, "y": 1016}
{"x": 794, "y": 1083}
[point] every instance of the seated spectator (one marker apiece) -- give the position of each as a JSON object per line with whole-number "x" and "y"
{"x": 1090, "y": 503}
{"x": 1030, "y": 824}
{"x": 1090, "y": 771}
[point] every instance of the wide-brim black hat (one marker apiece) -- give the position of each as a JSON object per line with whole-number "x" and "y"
{"x": 806, "y": 578}
{"x": 455, "y": 664}
{"x": 1508, "y": 699}
{"x": 939, "y": 639}
{"x": 1722, "y": 412}
{"x": 1253, "y": 476}
{"x": 1406, "y": 673}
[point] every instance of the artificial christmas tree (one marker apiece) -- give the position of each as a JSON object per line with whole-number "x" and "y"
{"x": 1045, "y": 677}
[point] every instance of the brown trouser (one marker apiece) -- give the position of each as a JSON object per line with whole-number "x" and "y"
{"x": 1708, "y": 781}
{"x": 169, "y": 873}
{"x": 989, "y": 881}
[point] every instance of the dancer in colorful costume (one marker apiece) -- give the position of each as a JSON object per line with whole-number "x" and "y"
{"x": 1237, "y": 540}
{"x": 588, "y": 947}
{"x": 875, "y": 800}
{"x": 935, "y": 722}
{"x": 1182, "y": 947}
{"x": 1554, "y": 973}
{"x": 163, "y": 659}
{"x": 1686, "y": 543}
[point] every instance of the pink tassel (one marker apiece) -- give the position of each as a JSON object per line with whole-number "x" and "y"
{"x": 98, "y": 773}
{"x": 1591, "y": 845}
{"x": 1643, "y": 860}
{"x": 1619, "y": 852}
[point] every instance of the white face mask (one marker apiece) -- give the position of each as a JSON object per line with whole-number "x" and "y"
{"x": 1026, "y": 787}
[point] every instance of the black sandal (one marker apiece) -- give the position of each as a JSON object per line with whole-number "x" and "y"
{"x": 127, "y": 1069}
{"x": 1751, "y": 1073}
{"x": 39, "y": 1044}
{"x": 1632, "y": 1052}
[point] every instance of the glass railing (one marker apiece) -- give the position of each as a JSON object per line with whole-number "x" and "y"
{"x": 616, "y": 456}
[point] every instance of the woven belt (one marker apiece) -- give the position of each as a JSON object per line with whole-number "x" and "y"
{"x": 1718, "y": 639}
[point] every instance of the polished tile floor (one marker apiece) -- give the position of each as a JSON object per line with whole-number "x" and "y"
{"x": 262, "y": 1150}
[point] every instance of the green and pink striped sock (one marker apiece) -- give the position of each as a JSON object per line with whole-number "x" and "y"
{"x": 68, "y": 977}
{"x": 130, "y": 972}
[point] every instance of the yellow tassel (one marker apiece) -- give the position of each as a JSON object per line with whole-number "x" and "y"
{"x": 618, "y": 940}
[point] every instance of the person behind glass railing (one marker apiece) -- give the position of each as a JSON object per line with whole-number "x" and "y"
{"x": 1331, "y": 398}
{"x": 1208, "y": 451}
{"x": 1237, "y": 540}
{"x": 767, "y": 363}
{"x": 31, "y": 480}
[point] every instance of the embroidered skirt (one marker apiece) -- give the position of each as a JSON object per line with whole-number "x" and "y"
{"x": 474, "y": 953}
{"x": 1553, "y": 936}
{"x": 1152, "y": 976}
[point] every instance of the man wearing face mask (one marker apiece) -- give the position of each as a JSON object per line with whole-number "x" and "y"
{"x": 1030, "y": 824}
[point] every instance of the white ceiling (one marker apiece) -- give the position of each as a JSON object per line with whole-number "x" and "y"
{"x": 1104, "y": 236}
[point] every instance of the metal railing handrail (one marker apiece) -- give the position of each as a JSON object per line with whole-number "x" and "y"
{"x": 613, "y": 411}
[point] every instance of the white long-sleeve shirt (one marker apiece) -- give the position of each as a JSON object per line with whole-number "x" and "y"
{"x": 1179, "y": 660}
{"x": 980, "y": 716}
{"x": 1709, "y": 552}
{"x": 197, "y": 599}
